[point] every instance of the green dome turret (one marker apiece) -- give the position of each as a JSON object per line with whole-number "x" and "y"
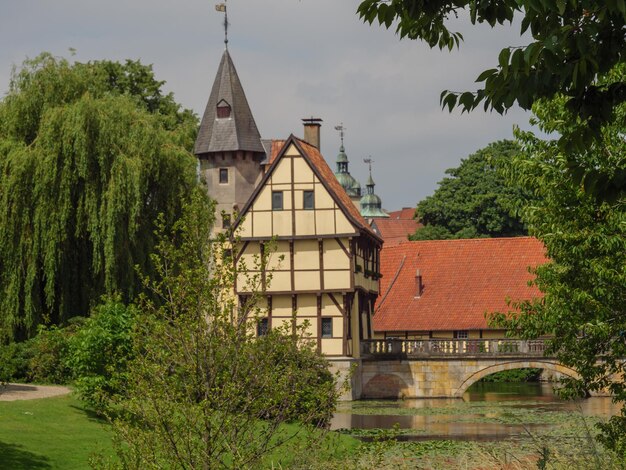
{"x": 371, "y": 204}
{"x": 351, "y": 186}
{"x": 341, "y": 157}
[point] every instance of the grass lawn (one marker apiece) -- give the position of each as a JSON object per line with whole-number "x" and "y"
{"x": 50, "y": 433}
{"x": 60, "y": 433}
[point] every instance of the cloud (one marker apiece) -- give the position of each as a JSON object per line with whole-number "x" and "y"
{"x": 295, "y": 59}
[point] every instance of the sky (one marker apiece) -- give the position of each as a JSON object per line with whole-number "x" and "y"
{"x": 295, "y": 59}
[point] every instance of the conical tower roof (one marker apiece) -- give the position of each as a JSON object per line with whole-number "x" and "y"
{"x": 234, "y": 129}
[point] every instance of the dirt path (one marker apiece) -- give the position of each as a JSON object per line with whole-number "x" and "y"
{"x": 14, "y": 392}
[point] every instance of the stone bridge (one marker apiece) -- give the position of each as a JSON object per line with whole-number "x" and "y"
{"x": 442, "y": 368}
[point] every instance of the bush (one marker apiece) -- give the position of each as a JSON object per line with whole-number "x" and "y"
{"x": 14, "y": 362}
{"x": 48, "y": 353}
{"x": 99, "y": 352}
{"x": 41, "y": 359}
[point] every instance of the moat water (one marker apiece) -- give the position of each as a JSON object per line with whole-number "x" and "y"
{"x": 488, "y": 411}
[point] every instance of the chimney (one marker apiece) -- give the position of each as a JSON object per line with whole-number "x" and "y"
{"x": 419, "y": 286}
{"x": 312, "y": 131}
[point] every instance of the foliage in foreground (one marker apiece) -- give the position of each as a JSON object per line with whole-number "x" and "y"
{"x": 202, "y": 391}
{"x": 572, "y": 43}
{"x": 474, "y": 200}
{"x": 90, "y": 154}
{"x": 584, "y": 286}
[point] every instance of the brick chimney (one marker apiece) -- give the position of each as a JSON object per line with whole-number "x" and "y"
{"x": 312, "y": 131}
{"x": 419, "y": 286}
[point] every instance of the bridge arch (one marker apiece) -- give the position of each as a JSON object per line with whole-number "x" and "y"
{"x": 510, "y": 365}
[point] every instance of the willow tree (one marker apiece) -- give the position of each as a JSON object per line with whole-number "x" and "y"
{"x": 90, "y": 154}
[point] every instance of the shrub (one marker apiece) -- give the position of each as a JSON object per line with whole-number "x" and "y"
{"x": 48, "y": 353}
{"x": 99, "y": 352}
{"x": 14, "y": 362}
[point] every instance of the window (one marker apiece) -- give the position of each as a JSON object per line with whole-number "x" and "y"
{"x": 277, "y": 200}
{"x": 223, "y": 175}
{"x": 223, "y": 110}
{"x": 262, "y": 327}
{"x": 225, "y": 220}
{"x": 308, "y": 201}
{"x": 461, "y": 334}
{"x": 327, "y": 327}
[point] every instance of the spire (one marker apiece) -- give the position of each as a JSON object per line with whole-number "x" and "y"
{"x": 370, "y": 181}
{"x": 227, "y": 124}
{"x": 349, "y": 184}
{"x": 371, "y": 204}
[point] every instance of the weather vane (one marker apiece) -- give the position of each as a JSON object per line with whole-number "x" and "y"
{"x": 340, "y": 128}
{"x": 369, "y": 161}
{"x": 222, "y": 7}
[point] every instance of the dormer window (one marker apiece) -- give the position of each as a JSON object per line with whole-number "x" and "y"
{"x": 223, "y": 110}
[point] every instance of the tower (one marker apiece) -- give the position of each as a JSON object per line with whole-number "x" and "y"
{"x": 351, "y": 186}
{"x": 371, "y": 204}
{"x": 228, "y": 145}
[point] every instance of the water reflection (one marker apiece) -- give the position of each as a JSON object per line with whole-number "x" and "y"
{"x": 488, "y": 411}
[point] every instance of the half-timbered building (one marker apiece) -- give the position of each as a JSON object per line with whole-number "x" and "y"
{"x": 324, "y": 265}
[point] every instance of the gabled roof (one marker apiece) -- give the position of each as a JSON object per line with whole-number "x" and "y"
{"x": 462, "y": 280}
{"x": 395, "y": 231}
{"x": 237, "y": 132}
{"x": 323, "y": 172}
{"x": 272, "y": 147}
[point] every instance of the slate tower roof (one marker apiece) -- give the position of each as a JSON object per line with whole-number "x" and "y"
{"x": 227, "y": 124}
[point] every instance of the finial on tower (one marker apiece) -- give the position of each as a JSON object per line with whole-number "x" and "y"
{"x": 222, "y": 7}
{"x": 341, "y": 129}
{"x": 369, "y": 161}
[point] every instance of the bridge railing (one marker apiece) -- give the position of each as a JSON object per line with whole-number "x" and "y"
{"x": 451, "y": 347}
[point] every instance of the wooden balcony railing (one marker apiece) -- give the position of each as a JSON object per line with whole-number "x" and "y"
{"x": 414, "y": 348}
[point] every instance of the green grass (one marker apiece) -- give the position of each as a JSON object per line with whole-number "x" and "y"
{"x": 61, "y": 433}
{"x": 50, "y": 433}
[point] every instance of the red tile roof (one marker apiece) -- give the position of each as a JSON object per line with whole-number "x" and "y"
{"x": 462, "y": 279}
{"x": 395, "y": 231}
{"x": 276, "y": 147}
{"x": 406, "y": 213}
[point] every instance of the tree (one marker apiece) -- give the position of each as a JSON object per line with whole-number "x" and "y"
{"x": 475, "y": 201}
{"x": 573, "y": 43}
{"x": 90, "y": 154}
{"x": 202, "y": 390}
{"x": 584, "y": 305}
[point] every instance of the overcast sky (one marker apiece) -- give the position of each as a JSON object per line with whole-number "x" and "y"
{"x": 295, "y": 58}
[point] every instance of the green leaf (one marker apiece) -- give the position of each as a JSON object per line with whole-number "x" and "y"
{"x": 503, "y": 58}
{"x": 485, "y": 74}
